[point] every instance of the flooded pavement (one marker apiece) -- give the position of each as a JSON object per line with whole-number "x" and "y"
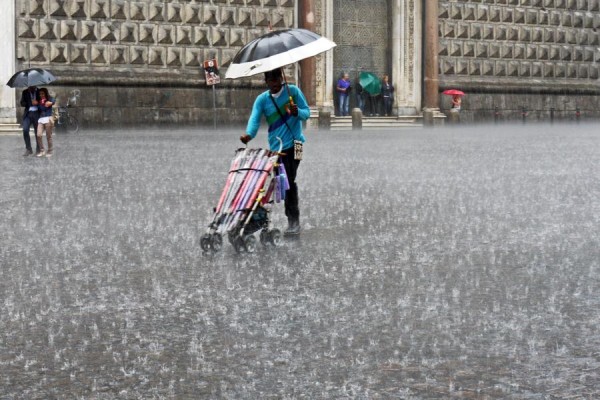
{"x": 433, "y": 264}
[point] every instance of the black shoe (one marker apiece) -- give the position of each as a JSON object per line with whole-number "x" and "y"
{"x": 293, "y": 228}
{"x": 27, "y": 153}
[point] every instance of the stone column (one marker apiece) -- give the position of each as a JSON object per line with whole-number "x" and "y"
{"x": 431, "y": 55}
{"x": 328, "y": 20}
{"x": 324, "y": 61}
{"x": 406, "y": 55}
{"x": 8, "y": 111}
{"x": 306, "y": 18}
{"x": 397, "y": 70}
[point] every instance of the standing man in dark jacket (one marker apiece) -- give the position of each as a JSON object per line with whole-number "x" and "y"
{"x": 31, "y": 113}
{"x": 387, "y": 91}
{"x": 360, "y": 99}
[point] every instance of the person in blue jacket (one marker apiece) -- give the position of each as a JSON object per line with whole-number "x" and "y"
{"x": 31, "y": 113}
{"x": 285, "y": 122}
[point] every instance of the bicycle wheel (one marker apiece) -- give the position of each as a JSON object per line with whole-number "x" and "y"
{"x": 71, "y": 125}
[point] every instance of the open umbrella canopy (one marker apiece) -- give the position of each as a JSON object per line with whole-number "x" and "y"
{"x": 276, "y": 49}
{"x": 453, "y": 92}
{"x": 370, "y": 83}
{"x": 31, "y": 77}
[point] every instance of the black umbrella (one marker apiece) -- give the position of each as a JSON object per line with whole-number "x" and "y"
{"x": 31, "y": 77}
{"x": 276, "y": 49}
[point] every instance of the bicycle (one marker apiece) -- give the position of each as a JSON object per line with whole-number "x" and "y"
{"x": 65, "y": 120}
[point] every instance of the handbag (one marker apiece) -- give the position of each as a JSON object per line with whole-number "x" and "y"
{"x": 297, "y": 144}
{"x": 54, "y": 115}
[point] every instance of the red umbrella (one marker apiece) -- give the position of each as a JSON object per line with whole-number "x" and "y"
{"x": 453, "y": 92}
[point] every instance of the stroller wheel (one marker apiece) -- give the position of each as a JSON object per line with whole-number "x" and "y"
{"x": 205, "y": 242}
{"x": 250, "y": 243}
{"x": 217, "y": 242}
{"x": 265, "y": 237}
{"x": 275, "y": 236}
{"x": 231, "y": 238}
{"x": 238, "y": 244}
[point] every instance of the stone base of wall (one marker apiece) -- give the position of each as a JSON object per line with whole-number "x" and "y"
{"x": 102, "y": 106}
{"x": 537, "y": 107}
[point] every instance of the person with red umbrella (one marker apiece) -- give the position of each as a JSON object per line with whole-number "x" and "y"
{"x": 456, "y": 98}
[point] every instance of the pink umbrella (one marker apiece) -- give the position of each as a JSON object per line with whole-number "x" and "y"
{"x": 453, "y": 92}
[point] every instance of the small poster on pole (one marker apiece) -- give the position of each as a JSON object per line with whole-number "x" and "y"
{"x": 211, "y": 72}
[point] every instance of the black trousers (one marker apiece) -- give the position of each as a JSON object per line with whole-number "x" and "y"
{"x": 291, "y": 196}
{"x": 30, "y": 118}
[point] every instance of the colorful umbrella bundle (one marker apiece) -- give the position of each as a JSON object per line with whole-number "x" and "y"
{"x": 255, "y": 177}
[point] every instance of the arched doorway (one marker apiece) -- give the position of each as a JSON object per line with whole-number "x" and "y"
{"x": 361, "y": 30}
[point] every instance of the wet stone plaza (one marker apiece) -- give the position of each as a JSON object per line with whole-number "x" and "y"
{"x": 433, "y": 264}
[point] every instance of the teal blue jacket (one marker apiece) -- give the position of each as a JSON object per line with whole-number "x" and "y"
{"x": 277, "y": 125}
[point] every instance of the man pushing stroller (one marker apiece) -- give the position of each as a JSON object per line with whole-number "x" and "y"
{"x": 284, "y": 107}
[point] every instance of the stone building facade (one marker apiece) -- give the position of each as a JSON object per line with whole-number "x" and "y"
{"x": 139, "y": 61}
{"x": 519, "y": 57}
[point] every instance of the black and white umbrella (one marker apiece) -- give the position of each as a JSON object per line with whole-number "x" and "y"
{"x": 31, "y": 77}
{"x": 276, "y": 49}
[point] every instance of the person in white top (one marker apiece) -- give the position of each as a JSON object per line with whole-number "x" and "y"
{"x": 45, "y": 122}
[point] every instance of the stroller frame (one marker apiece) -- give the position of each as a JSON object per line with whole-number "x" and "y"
{"x": 240, "y": 224}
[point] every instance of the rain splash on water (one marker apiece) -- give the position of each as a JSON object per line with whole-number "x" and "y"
{"x": 433, "y": 264}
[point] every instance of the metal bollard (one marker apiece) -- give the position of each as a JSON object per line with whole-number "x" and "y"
{"x": 324, "y": 120}
{"x": 356, "y": 119}
{"x": 552, "y": 116}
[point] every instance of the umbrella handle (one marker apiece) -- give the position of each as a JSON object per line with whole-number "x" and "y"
{"x": 287, "y": 87}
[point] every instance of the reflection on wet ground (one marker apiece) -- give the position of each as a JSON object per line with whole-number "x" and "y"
{"x": 433, "y": 264}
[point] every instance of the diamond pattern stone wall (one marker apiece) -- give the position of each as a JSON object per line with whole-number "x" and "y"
{"x": 362, "y": 36}
{"x": 519, "y": 40}
{"x": 138, "y": 61}
{"x": 158, "y": 37}
{"x": 521, "y": 59}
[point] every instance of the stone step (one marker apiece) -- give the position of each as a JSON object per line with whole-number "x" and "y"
{"x": 375, "y": 128}
{"x": 10, "y": 129}
{"x": 403, "y": 121}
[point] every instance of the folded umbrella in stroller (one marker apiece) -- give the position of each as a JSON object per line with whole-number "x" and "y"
{"x": 244, "y": 205}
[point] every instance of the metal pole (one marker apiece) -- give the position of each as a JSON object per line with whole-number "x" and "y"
{"x": 552, "y": 115}
{"x": 214, "y": 107}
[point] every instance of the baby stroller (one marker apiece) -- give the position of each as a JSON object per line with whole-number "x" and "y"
{"x": 256, "y": 179}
